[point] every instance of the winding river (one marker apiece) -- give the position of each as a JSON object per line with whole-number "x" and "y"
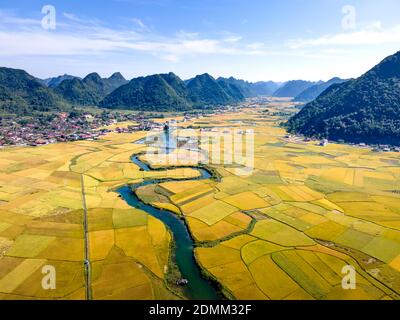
{"x": 198, "y": 288}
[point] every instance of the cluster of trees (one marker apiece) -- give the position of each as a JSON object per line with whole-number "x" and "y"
{"x": 20, "y": 94}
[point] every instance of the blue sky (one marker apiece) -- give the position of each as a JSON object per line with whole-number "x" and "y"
{"x": 249, "y": 39}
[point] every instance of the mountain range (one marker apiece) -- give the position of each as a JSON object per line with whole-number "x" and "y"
{"x": 90, "y": 90}
{"x": 253, "y": 89}
{"x": 21, "y": 93}
{"x": 366, "y": 109}
{"x": 294, "y": 88}
{"x": 55, "y": 81}
{"x": 314, "y": 91}
{"x": 167, "y": 92}
{"x": 160, "y": 92}
{"x": 163, "y": 92}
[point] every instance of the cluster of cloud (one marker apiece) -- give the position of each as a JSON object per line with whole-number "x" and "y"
{"x": 83, "y": 36}
{"x": 372, "y": 34}
{"x": 347, "y": 53}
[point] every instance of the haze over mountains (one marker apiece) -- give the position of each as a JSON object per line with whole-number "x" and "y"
{"x": 366, "y": 109}
{"x": 250, "y": 90}
{"x": 294, "y": 88}
{"x": 314, "y": 91}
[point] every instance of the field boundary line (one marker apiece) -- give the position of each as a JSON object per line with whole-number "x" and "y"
{"x": 86, "y": 262}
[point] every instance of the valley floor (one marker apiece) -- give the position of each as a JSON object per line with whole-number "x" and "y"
{"x": 284, "y": 232}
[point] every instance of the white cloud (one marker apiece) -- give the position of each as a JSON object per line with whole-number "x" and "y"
{"x": 78, "y": 39}
{"x": 9, "y": 18}
{"x": 233, "y": 39}
{"x": 373, "y": 34}
{"x": 181, "y": 34}
{"x": 72, "y": 17}
{"x": 255, "y": 46}
{"x": 78, "y": 21}
{"x": 375, "y": 25}
{"x": 171, "y": 58}
{"x": 141, "y": 25}
{"x": 230, "y": 37}
{"x": 83, "y": 36}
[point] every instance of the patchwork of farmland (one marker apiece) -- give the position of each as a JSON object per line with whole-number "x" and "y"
{"x": 41, "y": 222}
{"x": 285, "y": 231}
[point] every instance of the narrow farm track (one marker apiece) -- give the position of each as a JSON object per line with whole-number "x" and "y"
{"x": 87, "y": 266}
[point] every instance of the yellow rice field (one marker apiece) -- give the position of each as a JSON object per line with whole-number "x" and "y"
{"x": 283, "y": 232}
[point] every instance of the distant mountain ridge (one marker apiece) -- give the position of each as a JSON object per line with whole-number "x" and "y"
{"x": 164, "y": 92}
{"x": 314, "y": 91}
{"x": 293, "y": 88}
{"x": 266, "y": 88}
{"x": 55, "y": 81}
{"x": 366, "y": 109}
{"x": 90, "y": 90}
{"x": 253, "y": 89}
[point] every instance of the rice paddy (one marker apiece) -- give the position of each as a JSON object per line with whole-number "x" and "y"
{"x": 283, "y": 232}
{"x": 41, "y": 222}
{"x": 324, "y": 208}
